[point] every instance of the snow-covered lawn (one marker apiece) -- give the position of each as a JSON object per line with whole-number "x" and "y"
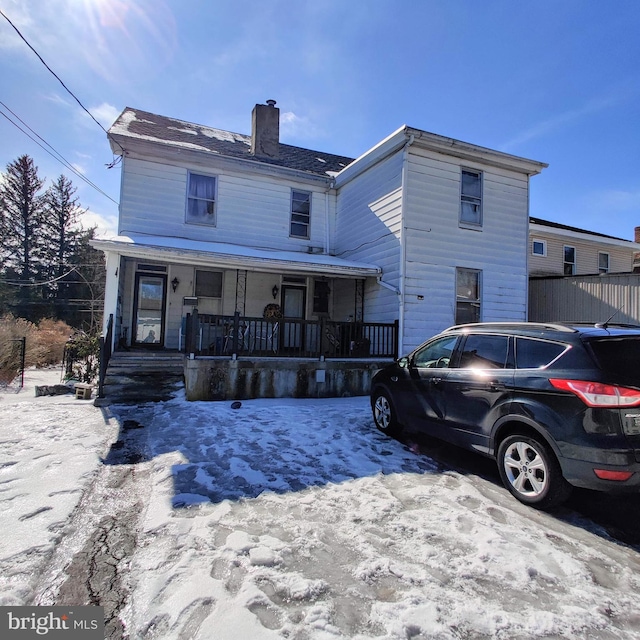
{"x": 293, "y": 519}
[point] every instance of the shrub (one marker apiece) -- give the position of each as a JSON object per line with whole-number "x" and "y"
{"x": 44, "y": 344}
{"x": 82, "y": 357}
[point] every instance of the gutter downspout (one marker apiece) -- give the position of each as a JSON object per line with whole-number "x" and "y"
{"x": 327, "y": 231}
{"x": 403, "y": 242}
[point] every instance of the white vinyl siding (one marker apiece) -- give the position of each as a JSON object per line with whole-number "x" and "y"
{"x": 368, "y": 229}
{"x": 436, "y": 245}
{"x": 251, "y": 209}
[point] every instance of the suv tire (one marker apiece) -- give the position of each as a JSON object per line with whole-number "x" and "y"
{"x": 531, "y": 472}
{"x": 384, "y": 414}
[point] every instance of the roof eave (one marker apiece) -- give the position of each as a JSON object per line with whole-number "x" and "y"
{"x": 231, "y": 261}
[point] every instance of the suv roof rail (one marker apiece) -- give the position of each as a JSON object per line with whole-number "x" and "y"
{"x": 550, "y": 326}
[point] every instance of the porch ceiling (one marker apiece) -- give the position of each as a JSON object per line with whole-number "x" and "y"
{"x": 230, "y": 256}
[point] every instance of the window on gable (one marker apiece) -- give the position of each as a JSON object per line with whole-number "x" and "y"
{"x": 201, "y": 200}
{"x": 300, "y": 214}
{"x": 467, "y": 296}
{"x": 569, "y": 261}
{"x": 603, "y": 262}
{"x": 471, "y": 198}
{"x": 539, "y": 248}
{"x": 208, "y": 284}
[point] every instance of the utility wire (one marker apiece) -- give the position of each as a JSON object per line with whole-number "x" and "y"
{"x": 55, "y": 75}
{"x": 56, "y": 154}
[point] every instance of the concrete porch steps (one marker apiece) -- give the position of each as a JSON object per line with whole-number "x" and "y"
{"x": 140, "y": 376}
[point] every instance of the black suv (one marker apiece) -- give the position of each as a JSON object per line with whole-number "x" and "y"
{"x": 556, "y": 405}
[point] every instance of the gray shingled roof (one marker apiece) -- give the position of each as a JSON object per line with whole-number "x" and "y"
{"x": 142, "y": 125}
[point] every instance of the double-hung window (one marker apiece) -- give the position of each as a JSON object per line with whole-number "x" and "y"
{"x": 201, "y": 199}
{"x": 569, "y": 261}
{"x": 300, "y": 214}
{"x": 603, "y": 262}
{"x": 471, "y": 198}
{"x": 467, "y": 295}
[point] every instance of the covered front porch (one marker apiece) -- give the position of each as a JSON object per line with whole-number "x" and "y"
{"x": 274, "y": 320}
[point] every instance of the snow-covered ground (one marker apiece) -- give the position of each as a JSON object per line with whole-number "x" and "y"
{"x": 291, "y": 519}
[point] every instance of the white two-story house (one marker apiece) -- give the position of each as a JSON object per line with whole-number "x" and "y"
{"x": 240, "y": 249}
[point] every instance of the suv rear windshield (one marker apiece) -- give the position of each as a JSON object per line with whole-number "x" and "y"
{"x": 617, "y": 355}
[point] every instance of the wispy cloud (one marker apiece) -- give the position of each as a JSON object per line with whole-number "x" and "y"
{"x": 558, "y": 121}
{"x": 105, "y": 114}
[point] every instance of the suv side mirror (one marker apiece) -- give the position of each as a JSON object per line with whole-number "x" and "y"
{"x": 403, "y": 362}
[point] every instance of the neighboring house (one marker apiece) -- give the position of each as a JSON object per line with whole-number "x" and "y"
{"x": 580, "y": 275}
{"x": 284, "y": 251}
{"x": 557, "y": 250}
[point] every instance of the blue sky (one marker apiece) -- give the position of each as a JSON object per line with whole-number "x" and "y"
{"x": 552, "y": 80}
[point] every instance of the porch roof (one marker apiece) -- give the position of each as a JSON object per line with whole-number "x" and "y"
{"x": 230, "y": 256}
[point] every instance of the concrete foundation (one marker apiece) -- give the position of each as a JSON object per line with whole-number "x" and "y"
{"x": 223, "y": 379}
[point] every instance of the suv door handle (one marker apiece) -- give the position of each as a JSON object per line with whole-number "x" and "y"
{"x": 494, "y": 385}
{"x": 436, "y": 380}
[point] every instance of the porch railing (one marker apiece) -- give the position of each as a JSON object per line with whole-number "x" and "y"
{"x": 219, "y": 335}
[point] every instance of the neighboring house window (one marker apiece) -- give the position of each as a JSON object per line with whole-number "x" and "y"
{"x": 467, "y": 296}
{"x": 471, "y": 198}
{"x": 539, "y": 248}
{"x": 603, "y": 262}
{"x": 569, "y": 261}
{"x": 300, "y": 214}
{"x": 208, "y": 284}
{"x": 201, "y": 201}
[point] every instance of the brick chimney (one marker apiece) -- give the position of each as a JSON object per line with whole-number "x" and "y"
{"x": 265, "y": 130}
{"x": 636, "y": 234}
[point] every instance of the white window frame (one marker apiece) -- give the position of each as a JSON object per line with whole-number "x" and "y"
{"x": 469, "y": 199}
{"x": 565, "y": 262}
{"x": 300, "y": 216}
{"x": 211, "y": 219}
{"x": 477, "y": 301}
{"x": 543, "y": 243}
{"x": 602, "y": 269}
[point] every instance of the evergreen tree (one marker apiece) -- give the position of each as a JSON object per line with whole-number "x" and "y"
{"x": 62, "y": 232}
{"x": 22, "y": 210}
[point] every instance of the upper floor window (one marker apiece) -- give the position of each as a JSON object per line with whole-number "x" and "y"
{"x": 467, "y": 296}
{"x": 539, "y": 248}
{"x": 471, "y": 198}
{"x": 300, "y": 214}
{"x": 603, "y": 262}
{"x": 201, "y": 201}
{"x": 569, "y": 261}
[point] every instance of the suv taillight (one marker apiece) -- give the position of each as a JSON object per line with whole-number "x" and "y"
{"x": 597, "y": 394}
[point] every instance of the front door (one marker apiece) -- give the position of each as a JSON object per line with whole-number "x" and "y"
{"x": 293, "y": 307}
{"x": 149, "y": 305}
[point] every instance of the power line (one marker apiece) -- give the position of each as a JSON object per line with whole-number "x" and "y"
{"x": 56, "y": 154}
{"x": 55, "y": 75}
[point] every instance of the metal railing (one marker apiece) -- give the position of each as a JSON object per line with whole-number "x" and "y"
{"x": 219, "y": 335}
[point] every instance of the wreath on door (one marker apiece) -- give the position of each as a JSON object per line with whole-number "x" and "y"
{"x": 272, "y": 311}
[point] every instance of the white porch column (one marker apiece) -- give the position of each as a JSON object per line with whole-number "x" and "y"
{"x": 111, "y": 290}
